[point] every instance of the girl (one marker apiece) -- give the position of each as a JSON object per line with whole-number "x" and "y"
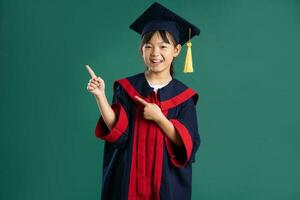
{"x": 150, "y": 130}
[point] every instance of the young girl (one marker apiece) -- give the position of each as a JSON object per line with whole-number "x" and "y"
{"x": 150, "y": 130}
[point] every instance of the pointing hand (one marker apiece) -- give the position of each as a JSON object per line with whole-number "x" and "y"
{"x": 96, "y": 84}
{"x": 151, "y": 110}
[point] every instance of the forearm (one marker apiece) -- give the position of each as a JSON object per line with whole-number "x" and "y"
{"x": 106, "y": 111}
{"x": 169, "y": 129}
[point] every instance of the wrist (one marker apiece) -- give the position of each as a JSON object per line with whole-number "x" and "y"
{"x": 101, "y": 95}
{"x": 160, "y": 119}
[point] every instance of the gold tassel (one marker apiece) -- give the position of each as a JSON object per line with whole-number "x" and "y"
{"x": 188, "y": 66}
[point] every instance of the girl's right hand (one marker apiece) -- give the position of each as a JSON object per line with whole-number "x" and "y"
{"x": 96, "y": 84}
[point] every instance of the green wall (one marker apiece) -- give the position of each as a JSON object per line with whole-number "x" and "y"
{"x": 246, "y": 63}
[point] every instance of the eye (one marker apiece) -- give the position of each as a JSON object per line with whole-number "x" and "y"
{"x": 147, "y": 46}
{"x": 164, "y": 47}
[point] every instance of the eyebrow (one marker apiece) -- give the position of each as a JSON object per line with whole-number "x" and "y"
{"x": 158, "y": 43}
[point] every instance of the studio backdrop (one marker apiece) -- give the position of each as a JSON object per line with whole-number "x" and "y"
{"x": 246, "y": 72}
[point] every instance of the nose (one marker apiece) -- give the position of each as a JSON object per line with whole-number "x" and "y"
{"x": 155, "y": 51}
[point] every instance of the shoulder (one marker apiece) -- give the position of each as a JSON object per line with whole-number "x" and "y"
{"x": 186, "y": 91}
{"x": 125, "y": 80}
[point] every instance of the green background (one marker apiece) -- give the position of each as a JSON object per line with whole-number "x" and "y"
{"x": 246, "y": 63}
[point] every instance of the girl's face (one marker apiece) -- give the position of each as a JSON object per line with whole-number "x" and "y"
{"x": 158, "y": 55}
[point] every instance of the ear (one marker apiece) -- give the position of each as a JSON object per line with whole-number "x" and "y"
{"x": 177, "y": 50}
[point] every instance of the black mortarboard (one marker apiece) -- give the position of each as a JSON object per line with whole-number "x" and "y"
{"x": 158, "y": 17}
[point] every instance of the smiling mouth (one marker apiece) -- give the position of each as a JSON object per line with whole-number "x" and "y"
{"x": 156, "y": 61}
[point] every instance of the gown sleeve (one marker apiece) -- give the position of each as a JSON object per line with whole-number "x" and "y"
{"x": 119, "y": 132}
{"x": 186, "y": 126}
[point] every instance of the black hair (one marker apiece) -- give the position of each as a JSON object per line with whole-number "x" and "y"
{"x": 163, "y": 34}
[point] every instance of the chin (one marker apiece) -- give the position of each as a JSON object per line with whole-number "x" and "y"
{"x": 157, "y": 69}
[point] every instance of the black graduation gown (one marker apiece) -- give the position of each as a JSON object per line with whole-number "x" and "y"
{"x": 140, "y": 162}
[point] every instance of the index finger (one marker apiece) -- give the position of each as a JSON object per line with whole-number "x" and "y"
{"x": 142, "y": 101}
{"x": 90, "y": 71}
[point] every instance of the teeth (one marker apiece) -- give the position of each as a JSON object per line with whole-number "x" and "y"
{"x": 156, "y": 61}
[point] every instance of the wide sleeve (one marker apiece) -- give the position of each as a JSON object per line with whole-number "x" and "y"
{"x": 119, "y": 132}
{"x": 186, "y": 124}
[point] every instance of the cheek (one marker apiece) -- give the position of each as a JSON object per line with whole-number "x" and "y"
{"x": 168, "y": 52}
{"x": 145, "y": 57}
{"x": 145, "y": 53}
{"x": 169, "y": 56}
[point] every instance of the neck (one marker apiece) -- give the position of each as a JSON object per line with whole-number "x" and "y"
{"x": 158, "y": 78}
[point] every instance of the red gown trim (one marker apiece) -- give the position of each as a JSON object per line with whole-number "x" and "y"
{"x": 101, "y": 130}
{"x": 187, "y": 142}
{"x": 165, "y": 105}
{"x": 178, "y": 99}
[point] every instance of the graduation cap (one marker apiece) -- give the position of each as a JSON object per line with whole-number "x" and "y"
{"x": 158, "y": 17}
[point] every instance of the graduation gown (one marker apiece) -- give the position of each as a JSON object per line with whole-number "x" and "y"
{"x": 140, "y": 162}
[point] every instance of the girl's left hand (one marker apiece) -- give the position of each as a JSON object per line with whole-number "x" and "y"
{"x": 151, "y": 110}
